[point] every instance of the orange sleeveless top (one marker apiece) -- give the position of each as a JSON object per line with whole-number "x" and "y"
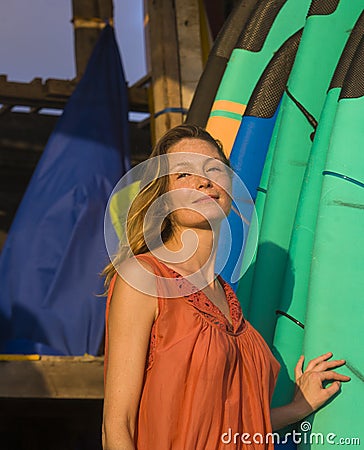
{"x": 208, "y": 384}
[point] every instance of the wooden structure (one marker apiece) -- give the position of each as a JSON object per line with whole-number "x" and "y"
{"x": 89, "y": 17}
{"x": 55, "y": 403}
{"x": 47, "y": 402}
{"x": 176, "y": 50}
{"x": 23, "y": 135}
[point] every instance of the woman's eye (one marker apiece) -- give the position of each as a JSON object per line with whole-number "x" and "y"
{"x": 182, "y": 175}
{"x": 214, "y": 169}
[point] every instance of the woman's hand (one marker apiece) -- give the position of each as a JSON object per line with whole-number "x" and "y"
{"x": 310, "y": 393}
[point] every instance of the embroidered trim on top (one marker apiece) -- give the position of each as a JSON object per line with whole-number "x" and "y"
{"x": 234, "y": 304}
{"x": 207, "y": 308}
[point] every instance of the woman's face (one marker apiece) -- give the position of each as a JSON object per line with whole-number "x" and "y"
{"x": 199, "y": 184}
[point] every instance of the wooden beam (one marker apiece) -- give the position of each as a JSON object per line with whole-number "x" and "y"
{"x": 174, "y": 43}
{"x": 166, "y": 83}
{"x": 190, "y": 47}
{"x": 54, "y": 93}
{"x": 50, "y": 94}
{"x": 61, "y": 377}
{"x": 89, "y": 18}
{"x": 138, "y": 99}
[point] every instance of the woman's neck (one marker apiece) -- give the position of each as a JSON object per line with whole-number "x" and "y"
{"x": 191, "y": 251}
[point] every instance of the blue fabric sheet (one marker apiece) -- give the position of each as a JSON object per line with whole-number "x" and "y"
{"x": 55, "y": 250}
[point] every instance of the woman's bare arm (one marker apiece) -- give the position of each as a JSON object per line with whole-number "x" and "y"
{"x": 130, "y": 321}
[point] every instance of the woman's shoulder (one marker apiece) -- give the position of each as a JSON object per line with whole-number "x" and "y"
{"x": 137, "y": 273}
{"x": 137, "y": 263}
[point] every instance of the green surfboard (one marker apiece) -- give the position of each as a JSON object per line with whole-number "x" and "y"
{"x": 288, "y": 337}
{"x": 324, "y": 37}
{"x": 334, "y": 319}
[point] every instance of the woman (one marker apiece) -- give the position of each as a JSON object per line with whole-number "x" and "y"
{"x": 184, "y": 369}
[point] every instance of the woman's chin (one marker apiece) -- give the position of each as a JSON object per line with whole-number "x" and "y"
{"x": 210, "y": 222}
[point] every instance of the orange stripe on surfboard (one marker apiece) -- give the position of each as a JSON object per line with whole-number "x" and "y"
{"x": 227, "y": 105}
{"x": 225, "y": 130}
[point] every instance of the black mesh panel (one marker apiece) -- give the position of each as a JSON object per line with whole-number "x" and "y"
{"x": 232, "y": 28}
{"x": 322, "y": 7}
{"x": 269, "y": 90}
{"x": 353, "y": 86}
{"x": 348, "y": 53}
{"x": 259, "y": 24}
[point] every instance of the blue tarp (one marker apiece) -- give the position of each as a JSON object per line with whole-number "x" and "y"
{"x": 55, "y": 250}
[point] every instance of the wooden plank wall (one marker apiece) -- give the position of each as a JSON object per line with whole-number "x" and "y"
{"x": 173, "y": 36}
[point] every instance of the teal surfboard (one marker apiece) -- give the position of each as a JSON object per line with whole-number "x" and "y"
{"x": 334, "y": 319}
{"x": 289, "y": 331}
{"x": 326, "y": 31}
{"x": 251, "y": 145}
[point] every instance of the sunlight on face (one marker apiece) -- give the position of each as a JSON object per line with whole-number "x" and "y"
{"x": 199, "y": 182}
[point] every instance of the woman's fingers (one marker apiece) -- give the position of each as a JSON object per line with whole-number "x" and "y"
{"x": 325, "y": 365}
{"x": 322, "y": 367}
{"x": 298, "y": 370}
{"x": 330, "y": 375}
{"x": 314, "y": 362}
{"x": 334, "y": 363}
{"x": 334, "y": 387}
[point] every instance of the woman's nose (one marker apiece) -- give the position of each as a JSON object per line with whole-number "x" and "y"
{"x": 203, "y": 182}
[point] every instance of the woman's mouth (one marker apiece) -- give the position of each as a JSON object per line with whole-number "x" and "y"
{"x": 207, "y": 199}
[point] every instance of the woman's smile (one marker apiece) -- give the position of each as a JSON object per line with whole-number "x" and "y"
{"x": 207, "y": 198}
